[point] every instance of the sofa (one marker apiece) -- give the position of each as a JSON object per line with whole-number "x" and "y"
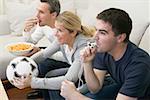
{"x": 16, "y": 11}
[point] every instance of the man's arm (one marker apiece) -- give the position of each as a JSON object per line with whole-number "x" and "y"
{"x": 124, "y": 97}
{"x": 69, "y": 91}
{"x": 94, "y": 78}
{"x": 78, "y": 96}
{"x": 30, "y": 23}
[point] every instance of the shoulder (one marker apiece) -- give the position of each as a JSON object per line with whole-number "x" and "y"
{"x": 137, "y": 61}
{"x": 81, "y": 40}
{"x": 137, "y": 55}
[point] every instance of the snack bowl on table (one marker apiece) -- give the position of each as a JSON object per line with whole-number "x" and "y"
{"x": 19, "y": 48}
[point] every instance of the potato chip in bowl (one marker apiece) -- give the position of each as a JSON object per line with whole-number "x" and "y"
{"x": 19, "y": 48}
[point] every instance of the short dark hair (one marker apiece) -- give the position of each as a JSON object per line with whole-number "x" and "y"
{"x": 119, "y": 19}
{"x": 54, "y": 5}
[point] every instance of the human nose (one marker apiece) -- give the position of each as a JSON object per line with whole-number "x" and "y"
{"x": 56, "y": 32}
{"x": 37, "y": 15}
{"x": 95, "y": 35}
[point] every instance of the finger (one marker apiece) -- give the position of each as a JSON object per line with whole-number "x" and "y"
{"x": 83, "y": 52}
{"x": 88, "y": 52}
{"x": 63, "y": 83}
{"x": 68, "y": 82}
{"x": 17, "y": 81}
{"x": 94, "y": 50}
{"x": 30, "y": 24}
{"x": 61, "y": 93}
{"x": 28, "y": 28}
{"x": 62, "y": 87}
{"x": 34, "y": 19}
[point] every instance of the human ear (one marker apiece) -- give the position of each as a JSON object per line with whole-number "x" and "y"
{"x": 54, "y": 14}
{"x": 121, "y": 37}
{"x": 74, "y": 33}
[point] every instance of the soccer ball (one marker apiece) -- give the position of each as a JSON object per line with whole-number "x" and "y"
{"x": 91, "y": 44}
{"x": 20, "y": 67}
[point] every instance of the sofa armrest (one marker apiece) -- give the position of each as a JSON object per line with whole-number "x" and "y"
{"x": 4, "y": 25}
{"x": 145, "y": 42}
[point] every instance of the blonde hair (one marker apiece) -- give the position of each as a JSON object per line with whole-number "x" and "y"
{"x": 72, "y": 22}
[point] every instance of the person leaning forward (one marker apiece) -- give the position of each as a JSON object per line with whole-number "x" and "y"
{"x": 128, "y": 65}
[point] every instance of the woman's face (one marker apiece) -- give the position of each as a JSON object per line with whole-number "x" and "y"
{"x": 62, "y": 34}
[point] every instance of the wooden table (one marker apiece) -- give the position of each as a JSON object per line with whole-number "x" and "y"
{"x": 3, "y": 95}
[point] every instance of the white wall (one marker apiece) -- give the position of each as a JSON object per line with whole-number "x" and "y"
{"x": 1, "y": 7}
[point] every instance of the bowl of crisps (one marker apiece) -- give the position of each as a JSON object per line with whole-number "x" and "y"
{"x": 20, "y": 48}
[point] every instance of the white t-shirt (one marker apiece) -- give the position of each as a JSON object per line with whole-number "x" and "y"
{"x": 39, "y": 33}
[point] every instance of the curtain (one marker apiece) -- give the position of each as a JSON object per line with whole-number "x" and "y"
{"x": 1, "y": 7}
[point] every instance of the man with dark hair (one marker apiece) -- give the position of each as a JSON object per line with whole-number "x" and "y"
{"x": 43, "y": 24}
{"x": 128, "y": 65}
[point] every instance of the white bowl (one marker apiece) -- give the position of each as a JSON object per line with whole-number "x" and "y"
{"x": 19, "y": 48}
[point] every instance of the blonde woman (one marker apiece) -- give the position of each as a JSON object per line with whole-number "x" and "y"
{"x": 71, "y": 38}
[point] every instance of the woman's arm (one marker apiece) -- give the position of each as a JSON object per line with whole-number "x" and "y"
{"x": 55, "y": 82}
{"x": 47, "y": 52}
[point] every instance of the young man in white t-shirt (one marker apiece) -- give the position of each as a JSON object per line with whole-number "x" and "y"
{"x": 43, "y": 24}
{"x": 39, "y": 26}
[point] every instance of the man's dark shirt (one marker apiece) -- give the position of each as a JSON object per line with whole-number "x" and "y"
{"x": 132, "y": 71}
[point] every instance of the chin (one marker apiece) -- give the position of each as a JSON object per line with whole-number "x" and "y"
{"x": 41, "y": 24}
{"x": 100, "y": 50}
{"x": 60, "y": 42}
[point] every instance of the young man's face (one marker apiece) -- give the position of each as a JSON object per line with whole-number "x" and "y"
{"x": 105, "y": 37}
{"x": 44, "y": 15}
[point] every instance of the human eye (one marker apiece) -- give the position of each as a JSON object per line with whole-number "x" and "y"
{"x": 58, "y": 30}
{"x": 103, "y": 32}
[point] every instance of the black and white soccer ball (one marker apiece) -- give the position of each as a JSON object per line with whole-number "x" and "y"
{"x": 20, "y": 67}
{"x": 91, "y": 44}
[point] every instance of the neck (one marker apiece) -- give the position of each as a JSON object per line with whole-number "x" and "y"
{"x": 70, "y": 43}
{"x": 118, "y": 51}
{"x": 51, "y": 24}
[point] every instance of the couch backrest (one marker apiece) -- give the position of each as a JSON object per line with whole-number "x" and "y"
{"x": 137, "y": 9}
{"x": 145, "y": 42}
{"x": 87, "y": 10}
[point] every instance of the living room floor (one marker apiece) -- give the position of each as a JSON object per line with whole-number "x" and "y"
{"x": 15, "y": 93}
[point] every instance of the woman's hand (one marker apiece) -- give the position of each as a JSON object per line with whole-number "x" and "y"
{"x": 34, "y": 50}
{"x": 67, "y": 89}
{"x": 22, "y": 82}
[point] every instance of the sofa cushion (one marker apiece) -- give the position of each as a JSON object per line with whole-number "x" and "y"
{"x": 17, "y": 13}
{"x": 145, "y": 42}
{"x": 19, "y": 10}
{"x": 4, "y": 25}
{"x": 68, "y": 5}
